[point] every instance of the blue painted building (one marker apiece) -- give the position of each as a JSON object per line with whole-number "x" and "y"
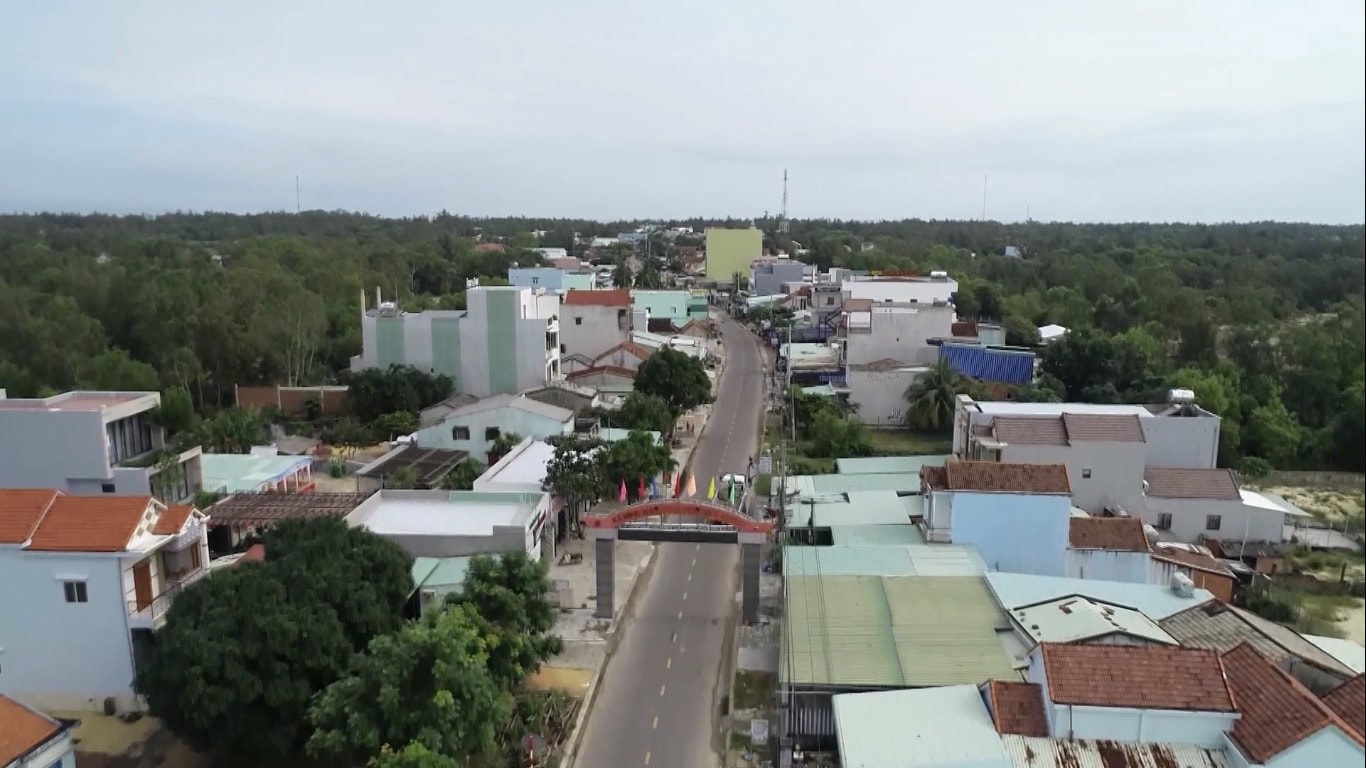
{"x": 1016, "y": 515}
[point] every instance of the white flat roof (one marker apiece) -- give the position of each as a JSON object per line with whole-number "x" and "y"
{"x": 1070, "y": 619}
{"x": 1003, "y": 408}
{"x": 1267, "y": 501}
{"x": 526, "y": 467}
{"x": 948, "y": 726}
{"x": 441, "y": 513}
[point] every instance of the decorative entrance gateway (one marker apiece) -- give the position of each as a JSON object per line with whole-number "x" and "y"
{"x": 716, "y": 524}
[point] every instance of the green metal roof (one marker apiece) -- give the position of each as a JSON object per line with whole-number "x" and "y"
{"x": 824, "y": 485}
{"x": 875, "y": 535}
{"x": 245, "y": 473}
{"x": 893, "y": 632}
{"x": 943, "y": 560}
{"x": 886, "y": 465}
{"x": 861, "y": 508}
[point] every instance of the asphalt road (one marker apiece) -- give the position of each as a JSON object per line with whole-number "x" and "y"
{"x": 658, "y": 699}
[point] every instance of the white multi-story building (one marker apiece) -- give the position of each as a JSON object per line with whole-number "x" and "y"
{"x": 506, "y": 340}
{"x": 592, "y": 322}
{"x": 86, "y": 579}
{"x": 937, "y": 287}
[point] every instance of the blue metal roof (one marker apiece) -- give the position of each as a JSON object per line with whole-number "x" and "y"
{"x": 986, "y": 364}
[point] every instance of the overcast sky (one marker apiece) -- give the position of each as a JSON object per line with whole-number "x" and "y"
{"x": 1072, "y": 109}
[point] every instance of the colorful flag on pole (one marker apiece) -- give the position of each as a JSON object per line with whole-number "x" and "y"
{"x": 678, "y": 485}
{"x": 640, "y": 488}
{"x": 692, "y": 485}
{"x": 621, "y": 492}
{"x": 654, "y": 488}
{"x": 711, "y": 489}
{"x": 730, "y": 492}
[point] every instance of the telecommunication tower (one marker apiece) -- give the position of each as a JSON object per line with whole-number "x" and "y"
{"x": 782, "y": 215}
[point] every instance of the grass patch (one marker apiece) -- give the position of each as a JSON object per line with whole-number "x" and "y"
{"x": 905, "y": 442}
{"x": 752, "y": 690}
{"x": 1330, "y": 564}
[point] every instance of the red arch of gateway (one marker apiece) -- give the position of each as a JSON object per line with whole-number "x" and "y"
{"x": 703, "y": 510}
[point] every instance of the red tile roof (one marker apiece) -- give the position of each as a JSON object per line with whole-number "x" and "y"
{"x": 1277, "y": 712}
{"x": 172, "y": 520}
{"x": 1182, "y": 483}
{"x": 1017, "y": 708}
{"x": 1115, "y": 534}
{"x": 256, "y": 553}
{"x": 858, "y": 305}
{"x": 637, "y": 350}
{"x": 1137, "y": 677}
{"x": 22, "y": 730}
{"x": 1348, "y": 701}
{"x": 1102, "y": 428}
{"x": 610, "y": 370}
{"x": 20, "y": 512}
{"x": 578, "y": 297}
{"x": 1194, "y": 560}
{"x": 489, "y": 248}
{"x": 89, "y": 523}
{"x": 996, "y": 477}
{"x": 1025, "y": 430}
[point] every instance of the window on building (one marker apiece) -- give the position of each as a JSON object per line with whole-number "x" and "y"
{"x": 1212, "y": 522}
{"x": 492, "y": 433}
{"x": 1086, "y": 473}
{"x": 578, "y": 321}
{"x": 75, "y": 592}
{"x": 107, "y": 488}
{"x": 1164, "y": 522}
{"x": 460, "y": 433}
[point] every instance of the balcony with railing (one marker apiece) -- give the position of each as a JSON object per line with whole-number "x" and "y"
{"x": 152, "y": 615}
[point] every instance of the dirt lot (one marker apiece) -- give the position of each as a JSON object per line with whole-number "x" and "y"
{"x": 108, "y": 742}
{"x": 1327, "y": 504}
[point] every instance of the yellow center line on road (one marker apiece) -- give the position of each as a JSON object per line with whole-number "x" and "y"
{"x": 680, "y": 615}
{"x": 647, "y": 758}
{"x": 674, "y": 639}
{"x": 655, "y": 724}
{"x": 685, "y": 595}
{"x": 690, "y": 577}
{"x": 661, "y": 690}
{"x": 669, "y": 664}
{"x": 694, "y": 562}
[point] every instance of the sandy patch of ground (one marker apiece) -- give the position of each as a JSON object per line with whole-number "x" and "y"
{"x": 1324, "y": 503}
{"x": 110, "y": 735}
{"x": 572, "y": 682}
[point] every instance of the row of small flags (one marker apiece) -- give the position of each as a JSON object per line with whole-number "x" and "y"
{"x": 680, "y": 489}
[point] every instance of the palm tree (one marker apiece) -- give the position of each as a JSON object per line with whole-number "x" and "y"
{"x": 931, "y": 398}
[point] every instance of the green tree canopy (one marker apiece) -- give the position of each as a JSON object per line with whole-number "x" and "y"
{"x": 676, "y": 378}
{"x": 508, "y": 593}
{"x": 639, "y": 411}
{"x": 429, "y": 683}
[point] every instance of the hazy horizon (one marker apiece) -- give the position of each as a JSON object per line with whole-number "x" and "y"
{"x": 1218, "y": 112}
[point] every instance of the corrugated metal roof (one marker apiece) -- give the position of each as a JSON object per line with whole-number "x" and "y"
{"x": 819, "y": 485}
{"x": 884, "y": 560}
{"x": 923, "y": 728}
{"x": 1222, "y": 627}
{"x": 893, "y": 632}
{"x": 1156, "y": 601}
{"x": 246, "y": 473}
{"x": 1070, "y": 619}
{"x": 887, "y": 465}
{"x": 1030, "y": 752}
{"x": 1351, "y": 653}
{"x": 865, "y": 508}
{"x": 875, "y": 535}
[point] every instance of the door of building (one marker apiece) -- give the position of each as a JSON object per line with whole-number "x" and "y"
{"x": 142, "y": 584}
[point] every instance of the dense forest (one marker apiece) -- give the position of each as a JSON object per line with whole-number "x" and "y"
{"x": 1264, "y": 320}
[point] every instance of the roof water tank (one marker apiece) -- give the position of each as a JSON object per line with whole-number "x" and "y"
{"x": 939, "y": 274}
{"x": 1182, "y": 585}
{"x": 1180, "y": 396}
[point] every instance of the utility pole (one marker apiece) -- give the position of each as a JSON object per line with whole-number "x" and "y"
{"x": 298, "y": 198}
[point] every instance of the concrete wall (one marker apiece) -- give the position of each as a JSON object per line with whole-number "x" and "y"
{"x": 732, "y": 250}
{"x": 900, "y": 333}
{"x": 43, "y": 448}
{"x": 1161, "y": 572}
{"x": 1182, "y": 441}
{"x": 59, "y": 752}
{"x": 1015, "y": 533}
{"x": 1105, "y": 565}
{"x": 663, "y": 304}
{"x": 768, "y": 279}
{"x": 1101, "y": 473}
{"x": 880, "y": 395}
{"x": 496, "y": 346}
{"x": 1236, "y": 519}
{"x": 899, "y": 291}
{"x": 506, "y": 419}
{"x": 292, "y": 400}
{"x": 60, "y": 655}
{"x": 549, "y": 278}
{"x": 504, "y": 539}
{"x": 592, "y": 330}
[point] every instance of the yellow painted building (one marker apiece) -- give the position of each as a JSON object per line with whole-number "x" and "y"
{"x": 732, "y": 250}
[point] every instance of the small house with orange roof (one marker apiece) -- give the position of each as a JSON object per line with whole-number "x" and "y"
{"x": 86, "y": 580}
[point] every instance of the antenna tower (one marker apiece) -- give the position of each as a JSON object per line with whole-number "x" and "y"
{"x": 782, "y": 215}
